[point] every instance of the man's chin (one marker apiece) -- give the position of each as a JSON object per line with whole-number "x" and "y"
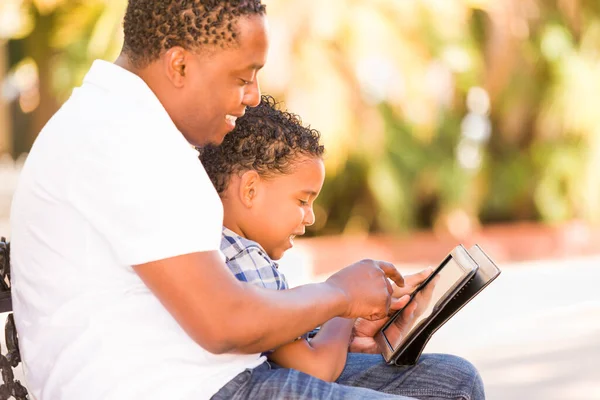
{"x": 218, "y": 138}
{"x": 215, "y": 141}
{"x": 201, "y": 138}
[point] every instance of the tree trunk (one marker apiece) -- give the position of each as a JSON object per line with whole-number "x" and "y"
{"x": 37, "y": 46}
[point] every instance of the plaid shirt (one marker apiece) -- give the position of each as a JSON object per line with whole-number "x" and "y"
{"x": 250, "y": 263}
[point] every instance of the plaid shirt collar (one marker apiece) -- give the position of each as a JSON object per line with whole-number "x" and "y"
{"x": 249, "y": 262}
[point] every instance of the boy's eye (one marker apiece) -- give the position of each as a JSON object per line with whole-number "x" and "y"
{"x": 244, "y": 82}
{"x": 303, "y": 202}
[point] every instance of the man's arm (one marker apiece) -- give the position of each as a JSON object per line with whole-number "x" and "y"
{"x": 324, "y": 357}
{"x": 224, "y": 315}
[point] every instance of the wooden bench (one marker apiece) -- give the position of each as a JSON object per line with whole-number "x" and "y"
{"x": 11, "y": 357}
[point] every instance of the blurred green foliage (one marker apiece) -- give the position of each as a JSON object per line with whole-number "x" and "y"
{"x": 439, "y": 114}
{"x": 60, "y": 39}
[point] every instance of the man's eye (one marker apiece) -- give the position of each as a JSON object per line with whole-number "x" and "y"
{"x": 244, "y": 82}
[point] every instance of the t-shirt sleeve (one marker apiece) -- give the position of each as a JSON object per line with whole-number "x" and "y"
{"x": 150, "y": 203}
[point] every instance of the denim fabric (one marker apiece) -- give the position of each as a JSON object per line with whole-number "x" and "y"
{"x": 436, "y": 376}
{"x": 365, "y": 376}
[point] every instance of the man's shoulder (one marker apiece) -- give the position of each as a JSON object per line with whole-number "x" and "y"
{"x": 114, "y": 98}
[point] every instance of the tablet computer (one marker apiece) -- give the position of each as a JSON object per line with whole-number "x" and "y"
{"x": 431, "y": 296}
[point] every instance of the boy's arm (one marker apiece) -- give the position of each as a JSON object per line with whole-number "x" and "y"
{"x": 324, "y": 357}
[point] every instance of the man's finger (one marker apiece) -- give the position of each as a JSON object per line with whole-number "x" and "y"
{"x": 376, "y": 316}
{"x": 391, "y": 272}
{"x": 390, "y": 289}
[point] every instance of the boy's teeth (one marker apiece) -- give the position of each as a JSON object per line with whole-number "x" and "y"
{"x": 231, "y": 118}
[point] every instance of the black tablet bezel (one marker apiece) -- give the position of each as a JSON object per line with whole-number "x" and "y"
{"x": 463, "y": 259}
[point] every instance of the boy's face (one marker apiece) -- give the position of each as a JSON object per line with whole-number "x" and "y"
{"x": 283, "y": 206}
{"x": 220, "y": 84}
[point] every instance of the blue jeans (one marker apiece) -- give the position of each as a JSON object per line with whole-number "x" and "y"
{"x": 366, "y": 376}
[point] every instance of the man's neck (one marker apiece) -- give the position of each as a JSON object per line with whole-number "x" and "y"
{"x": 124, "y": 62}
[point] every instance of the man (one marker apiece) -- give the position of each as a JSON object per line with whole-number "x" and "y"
{"x": 119, "y": 289}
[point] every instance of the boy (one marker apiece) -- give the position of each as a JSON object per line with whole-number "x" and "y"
{"x": 268, "y": 172}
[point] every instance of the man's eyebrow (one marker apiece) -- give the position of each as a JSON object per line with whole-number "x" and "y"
{"x": 254, "y": 66}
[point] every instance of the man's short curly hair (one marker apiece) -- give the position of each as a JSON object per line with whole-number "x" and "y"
{"x": 152, "y": 27}
{"x": 266, "y": 140}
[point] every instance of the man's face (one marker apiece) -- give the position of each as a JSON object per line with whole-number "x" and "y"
{"x": 283, "y": 206}
{"x": 221, "y": 83}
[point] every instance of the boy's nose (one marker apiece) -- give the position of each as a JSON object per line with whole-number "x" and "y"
{"x": 309, "y": 217}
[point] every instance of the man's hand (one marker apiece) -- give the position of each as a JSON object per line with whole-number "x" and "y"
{"x": 364, "y": 330}
{"x": 367, "y": 288}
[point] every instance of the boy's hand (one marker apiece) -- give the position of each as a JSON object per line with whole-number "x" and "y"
{"x": 367, "y": 288}
{"x": 364, "y": 330}
{"x": 411, "y": 282}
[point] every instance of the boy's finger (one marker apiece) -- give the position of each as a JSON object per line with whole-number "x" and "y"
{"x": 418, "y": 277}
{"x": 422, "y": 275}
{"x": 426, "y": 272}
{"x": 397, "y": 304}
{"x": 409, "y": 310}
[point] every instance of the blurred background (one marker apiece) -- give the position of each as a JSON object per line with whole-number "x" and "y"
{"x": 445, "y": 121}
{"x": 441, "y": 114}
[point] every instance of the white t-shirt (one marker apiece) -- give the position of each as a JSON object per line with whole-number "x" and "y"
{"x": 110, "y": 183}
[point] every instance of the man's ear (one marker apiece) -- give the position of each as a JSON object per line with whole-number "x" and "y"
{"x": 249, "y": 186}
{"x": 175, "y": 61}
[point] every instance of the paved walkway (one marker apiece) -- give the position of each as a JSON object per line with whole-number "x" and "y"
{"x": 534, "y": 333}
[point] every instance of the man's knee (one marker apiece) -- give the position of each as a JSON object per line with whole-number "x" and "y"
{"x": 457, "y": 375}
{"x": 469, "y": 370}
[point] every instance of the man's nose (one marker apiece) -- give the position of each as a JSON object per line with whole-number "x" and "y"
{"x": 252, "y": 95}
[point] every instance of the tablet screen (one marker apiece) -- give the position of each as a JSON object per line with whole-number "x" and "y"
{"x": 436, "y": 292}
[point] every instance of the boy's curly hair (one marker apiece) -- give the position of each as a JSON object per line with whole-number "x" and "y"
{"x": 266, "y": 140}
{"x": 152, "y": 27}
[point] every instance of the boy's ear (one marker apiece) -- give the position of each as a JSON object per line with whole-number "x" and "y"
{"x": 249, "y": 185}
